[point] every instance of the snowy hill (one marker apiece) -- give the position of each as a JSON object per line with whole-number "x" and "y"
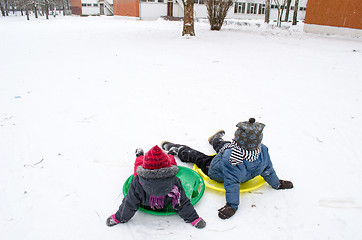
{"x": 79, "y": 95}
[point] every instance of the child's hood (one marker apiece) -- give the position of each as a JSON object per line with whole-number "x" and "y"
{"x": 157, "y": 182}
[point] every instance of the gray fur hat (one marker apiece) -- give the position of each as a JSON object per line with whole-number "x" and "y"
{"x": 249, "y": 134}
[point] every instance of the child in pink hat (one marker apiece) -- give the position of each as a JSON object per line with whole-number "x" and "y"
{"x": 156, "y": 185}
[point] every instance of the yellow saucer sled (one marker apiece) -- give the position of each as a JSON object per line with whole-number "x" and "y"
{"x": 250, "y": 185}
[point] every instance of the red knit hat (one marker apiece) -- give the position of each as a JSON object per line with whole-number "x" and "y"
{"x": 155, "y": 158}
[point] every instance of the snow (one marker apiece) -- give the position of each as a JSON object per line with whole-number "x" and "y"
{"x": 79, "y": 95}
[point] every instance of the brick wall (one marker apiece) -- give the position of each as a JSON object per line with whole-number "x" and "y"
{"x": 336, "y": 13}
{"x": 76, "y": 7}
{"x": 129, "y": 8}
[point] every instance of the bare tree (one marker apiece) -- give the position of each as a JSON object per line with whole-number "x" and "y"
{"x": 35, "y": 4}
{"x": 2, "y": 9}
{"x": 267, "y": 11}
{"x": 27, "y": 12}
{"x": 188, "y": 28}
{"x": 217, "y": 11}
{"x": 46, "y": 6}
{"x": 286, "y": 19}
{"x": 280, "y": 4}
{"x": 16, "y": 5}
{"x": 295, "y": 14}
{"x": 13, "y": 6}
{"x": 6, "y": 8}
{"x": 66, "y": 5}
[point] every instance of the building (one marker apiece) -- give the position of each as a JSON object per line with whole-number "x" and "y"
{"x": 92, "y": 7}
{"x": 153, "y": 9}
{"x": 334, "y": 17}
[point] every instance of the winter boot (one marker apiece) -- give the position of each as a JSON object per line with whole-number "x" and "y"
{"x": 168, "y": 145}
{"x": 139, "y": 152}
{"x": 218, "y": 134}
{"x": 171, "y": 148}
{"x": 173, "y": 151}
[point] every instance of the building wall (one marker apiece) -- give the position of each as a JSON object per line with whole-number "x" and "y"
{"x": 255, "y": 9}
{"x": 335, "y": 13}
{"x": 90, "y": 7}
{"x": 129, "y": 8}
{"x": 76, "y": 7}
{"x": 153, "y": 9}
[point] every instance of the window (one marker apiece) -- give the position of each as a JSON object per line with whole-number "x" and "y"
{"x": 88, "y": 5}
{"x": 252, "y": 7}
{"x": 199, "y": 1}
{"x": 261, "y": 9}
{"x": 95, "y": 4}
{"x": 160, "y": 1}
{"x": 239, "y": 7}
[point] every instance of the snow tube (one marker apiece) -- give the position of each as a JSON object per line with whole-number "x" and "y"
{"x": 250, "y": 185}
{"x": 192, "y": 182}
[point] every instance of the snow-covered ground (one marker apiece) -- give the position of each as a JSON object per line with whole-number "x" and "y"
{"x": 79, "y": 95}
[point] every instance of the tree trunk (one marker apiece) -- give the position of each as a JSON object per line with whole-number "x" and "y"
{"x": 36, "y": 11}
{"x": 295, "y": 15}
{"x": 280, "y": 8}
{"x": 27, "y": 12}
{"x": 6, "y": 8}
{"x": 47, "y": 10}
{"x": 286, "y": 19}
{"x": 267, "y": 11}
{"x": 279, "y": 22}
{"x": 188, "y": 28}
{"x": 2, "y": 10}
{"x": 64, "y": 7}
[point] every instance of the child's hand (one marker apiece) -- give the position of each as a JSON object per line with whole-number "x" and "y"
{"x": 285, "y": 184}
{"x": 199, "y": 223}
{"x": 112, "y": 220}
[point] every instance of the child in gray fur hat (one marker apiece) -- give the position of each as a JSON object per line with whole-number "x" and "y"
{"x": 236, "y": 162}
{"x": 156, "y": 185}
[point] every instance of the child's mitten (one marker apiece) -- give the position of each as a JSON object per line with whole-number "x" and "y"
{"x": 112, "y": 220}
{"x": 285, "y": 184}
{"x": 226, "y": 212}
{"x": 199, "y": 223}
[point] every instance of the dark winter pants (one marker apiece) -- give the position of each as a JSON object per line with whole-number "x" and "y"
{"x": 203, "y": 161}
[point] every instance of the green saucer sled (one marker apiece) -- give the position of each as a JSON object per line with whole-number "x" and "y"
{"x": 248, "y": 186}
{"x": 192, "y": 182}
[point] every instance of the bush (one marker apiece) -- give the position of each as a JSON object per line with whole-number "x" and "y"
{"x": 217, "y": 11}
